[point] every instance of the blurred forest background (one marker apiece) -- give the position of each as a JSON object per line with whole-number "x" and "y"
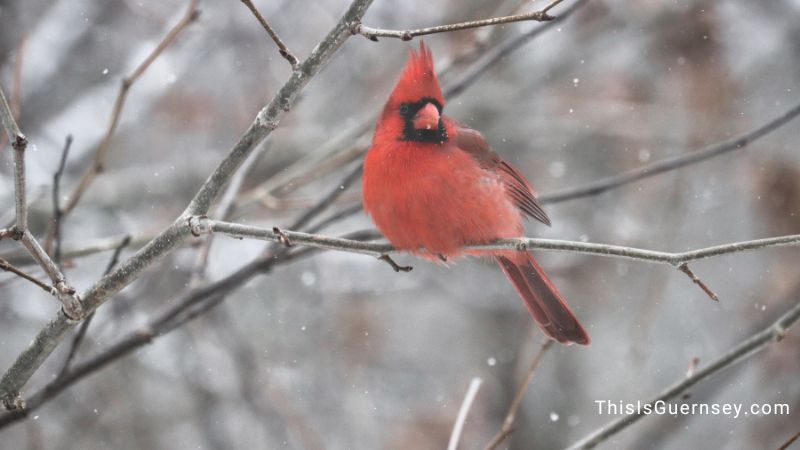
{"x": 336, "y": 350}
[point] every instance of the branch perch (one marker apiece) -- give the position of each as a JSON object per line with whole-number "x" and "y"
{"x": 406, "y": 35}
{"x": 200, "y": 225}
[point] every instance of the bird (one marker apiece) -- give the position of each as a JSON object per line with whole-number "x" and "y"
{"x": 433, "y": 187}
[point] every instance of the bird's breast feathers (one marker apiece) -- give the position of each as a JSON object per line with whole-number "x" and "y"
{"x": 437, "y": 198}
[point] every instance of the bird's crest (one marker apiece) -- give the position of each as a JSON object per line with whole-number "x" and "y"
{"x": 419, "y": 79}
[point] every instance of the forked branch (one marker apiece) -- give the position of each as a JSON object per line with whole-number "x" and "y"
{"x": 406, "y": 35}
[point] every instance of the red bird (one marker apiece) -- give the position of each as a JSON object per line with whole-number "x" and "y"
{"x": 434, "y": 186}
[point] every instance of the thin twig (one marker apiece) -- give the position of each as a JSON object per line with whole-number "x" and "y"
{"x": 396, "y": 267}
{"x": 71, "y": 303}
{"x": 669, "y": 164}
{"x": 508, "y": 422}
{"x": 79, "y": 250}
{"x": 58, "y": 214}
{"x": 192, "y": 13}
{"x": 8, "y": 233}
{"x": 16, "y": 86}
{"x": 406, "y": 35}
{"x": 458, "y": 427}
{"x": 266, "y": 120}
{"x": 8, "y": 267}
{"x": 685, "y": 269}
{"x": 749, "y": 347}
{"x": 282, "y": 48}
{"x": 81, "y": 334}
{"x": 19, "y": 144}
{"x": 692, "y": 367}
{"x": 789, "y": 443}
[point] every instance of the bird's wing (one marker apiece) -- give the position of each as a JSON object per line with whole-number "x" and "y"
{"x": 518, "y": 187}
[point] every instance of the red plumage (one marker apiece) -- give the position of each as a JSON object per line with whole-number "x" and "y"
{"x": 434, "y": 186}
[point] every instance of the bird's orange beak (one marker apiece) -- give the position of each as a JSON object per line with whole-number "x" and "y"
{"x": 427, "y": 118}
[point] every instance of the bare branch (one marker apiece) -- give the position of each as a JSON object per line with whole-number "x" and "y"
{"x": 53, "y": 246}
{"x": 190, "y": 305}
{"x": 19, "y": 144}
{"x": 266, "y": 120}
{"x": 685, "y": 269}
{"x": 8, "y": 267}
{"x": 406, "y": 35}
{"x": 458, "y": 427}
{"x": 8, "y": 233}
{"x": 284, "y": 51}
{"x": 225, "y": 209}
{"x": 81, "y": 334}
{"x": 64, "y": 293}
{"x": 16, "y": 87}
{"x": 741, "y": 352}
{"x": 79, "y": 250}
{"x": 70, "y": 301}
{"x": 669, "y": 164}
{"x": 789, "y": 443}
{"x": 493, "y": 57}
{"x": 200, "y": 225}
{"x": 396, "y": 267}
{"x": 508, "y": 423}
{"x": 192, "y": 13}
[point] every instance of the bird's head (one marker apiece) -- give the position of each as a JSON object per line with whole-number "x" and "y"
{"x": 415, "y": 106}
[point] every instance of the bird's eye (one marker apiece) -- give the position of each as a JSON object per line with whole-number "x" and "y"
{"x": 403, "y": 109}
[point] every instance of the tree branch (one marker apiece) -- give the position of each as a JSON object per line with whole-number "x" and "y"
{"x": 669, "y": 164}
{"x": 79, "y": 336}
{"x": 791, "y": 441}
{"x": 282, "y": 48}
{"x": 190, "y": 305}
{"x": 80, "y": 250}
{"x": 200, "y": 225}
{"x": 192, "y": 13}
{"x": 689, "y": 273}
{"x": 8, "y": 267}
{"x": 406, "y": 35}
{"x": 508, "y": 423}
{"x": 741, "y": 352}
{"x": 466, "y": 404}
{"x": 58, "y": 213}
{"x": 64, "y": 293}
{"x": 19, "y": 144}
{"x": 16, "y": 86}
{"x": 266, "y": 120}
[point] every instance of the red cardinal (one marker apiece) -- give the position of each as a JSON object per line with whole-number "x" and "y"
{"x": 434, "y": 186}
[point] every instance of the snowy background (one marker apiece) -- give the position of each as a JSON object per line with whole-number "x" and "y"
{"x": 338, "y": 351}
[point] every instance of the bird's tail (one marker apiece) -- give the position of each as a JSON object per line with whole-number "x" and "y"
{"x": 542, "y": 299}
